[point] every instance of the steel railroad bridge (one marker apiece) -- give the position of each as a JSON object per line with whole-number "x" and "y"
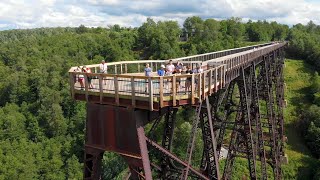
{"x": 238, "y": 102}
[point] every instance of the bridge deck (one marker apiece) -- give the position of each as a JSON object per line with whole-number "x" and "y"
{"x": 125, "y": 85}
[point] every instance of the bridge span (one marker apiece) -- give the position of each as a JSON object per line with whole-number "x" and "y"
{"x": 238, "y": 101}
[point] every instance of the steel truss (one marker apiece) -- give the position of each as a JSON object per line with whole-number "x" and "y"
{"x": 92, "y": 164}
{"x": 249, "y": 110}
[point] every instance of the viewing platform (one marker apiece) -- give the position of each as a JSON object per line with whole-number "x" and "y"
{"x": 125, "y": 84}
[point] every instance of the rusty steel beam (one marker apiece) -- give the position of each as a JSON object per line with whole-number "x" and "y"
{"x": 175, "y": 158}
{"x": 192, "y": 140}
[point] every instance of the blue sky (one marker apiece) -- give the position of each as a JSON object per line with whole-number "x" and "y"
{"x": 22, "y": 14}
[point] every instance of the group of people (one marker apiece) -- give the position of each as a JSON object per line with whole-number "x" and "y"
{"x": 171, "y": 69}
{"x": 80, "y": 78}
{"x": 167, "y": 70}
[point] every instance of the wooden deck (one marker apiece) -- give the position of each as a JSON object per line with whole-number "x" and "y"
{"x": 125, "y": 85}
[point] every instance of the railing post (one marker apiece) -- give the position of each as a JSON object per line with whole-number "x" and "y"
{"x": 224, "y": 75}
{"x": 216, "y": 80}
{"x": 120, "y": 68}
{"x": 133, "y": 93}
{"x": 192, "y": 89}
{"x": 138, "y": 67}
{"x": 174, "y": 90}
{"x": 203, "y": 85}
{"x": 199, "y": 86}
{"x": 161, "y": 91}
{"x": 116, "y": 90}
{"x": 101, "y": 88}
{"x": 210, "y": 82}
{"x": 86, "y": 85}
{"x": 221, "y": 78}
{"x": 150, "y": 94}
{"x": 126, "y": 68}
{"x": 115, "y": 69}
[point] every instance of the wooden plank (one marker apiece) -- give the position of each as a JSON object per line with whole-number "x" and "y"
{"x": 174, "y": 89}
{"x": 150, "y": 87}
{"x": 86, "y": 86}
{"x": 121, "y": 69}
{"x": 116, "y": 90}
{"x": 133, "y": 93}
{"x": 72, "y": 82}
{"x": 138, "y": 67}
{"x": 101, "y": 88}
{"x": 161, "y": 91}
{"x": 115, "y": 69}
{"x": 135, "y": 76}
{"x": 126, "y": 68}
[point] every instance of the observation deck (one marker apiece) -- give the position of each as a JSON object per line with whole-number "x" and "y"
{"x": 125, "y": 84}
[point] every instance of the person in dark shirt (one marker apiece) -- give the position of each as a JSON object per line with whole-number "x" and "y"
{"x": 189, "y": 79}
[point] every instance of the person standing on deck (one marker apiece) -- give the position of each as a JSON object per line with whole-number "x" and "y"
{"x": 178, "y": 79}
{"x": 198, "y": 70}
{"x": 179, "y": 67}
{"x": 161, "y": 71}
{"x": 89, "y": 78}
{"x": 81, "y": 79}
{"x": 103, "y": 69}
{"x": 178, "y": 71}
{"x": 147, "y": 72}
{"x": 169, "y": 70}
{"x": 76, "y": 76}
{"x": 189, "y": 79}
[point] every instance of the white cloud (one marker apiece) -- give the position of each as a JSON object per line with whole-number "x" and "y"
{"x": 104, "y": 2}
{"x": 51, "y": 13}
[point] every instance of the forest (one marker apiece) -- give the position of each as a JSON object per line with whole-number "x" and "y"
{"x": 42, "y": 128}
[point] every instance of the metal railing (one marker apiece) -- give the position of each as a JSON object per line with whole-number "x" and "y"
{"x": 157, "y": 89}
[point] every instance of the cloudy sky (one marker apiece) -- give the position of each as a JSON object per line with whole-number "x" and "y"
{"x": 21, "y": 14}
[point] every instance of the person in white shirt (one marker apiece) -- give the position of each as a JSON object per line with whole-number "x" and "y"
{"x": 170, "y": 68}
{"x": 103, "y": 67}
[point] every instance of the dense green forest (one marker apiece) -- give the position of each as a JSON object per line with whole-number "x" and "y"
{"x": 42, "y": 129}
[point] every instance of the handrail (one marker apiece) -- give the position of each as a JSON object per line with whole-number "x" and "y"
{"x": 181, "y": 59}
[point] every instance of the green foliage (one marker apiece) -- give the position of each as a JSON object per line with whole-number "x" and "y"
{"x": 298, "y": 112}
{"x": 42, "y": 128}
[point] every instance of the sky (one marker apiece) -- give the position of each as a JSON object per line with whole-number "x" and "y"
{"x": 26, "y": 14}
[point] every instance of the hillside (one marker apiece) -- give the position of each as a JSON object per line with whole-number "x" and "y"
{"x": 298, "y": 76}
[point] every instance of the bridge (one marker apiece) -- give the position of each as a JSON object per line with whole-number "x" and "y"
{"x": 238, "y": 101}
